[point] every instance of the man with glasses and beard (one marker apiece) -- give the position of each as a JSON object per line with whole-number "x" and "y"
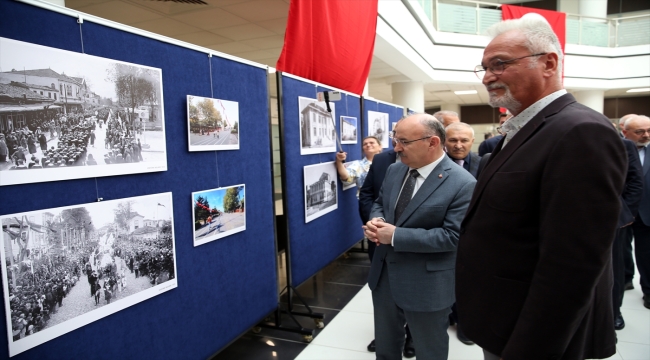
{"x": 534, "y": 273}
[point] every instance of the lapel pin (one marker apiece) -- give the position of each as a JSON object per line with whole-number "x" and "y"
{"x": 440, "y": 176}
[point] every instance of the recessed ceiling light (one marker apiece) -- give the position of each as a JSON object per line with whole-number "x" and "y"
{"x": 465, "y": 92}
{"x": 638, "y": 90}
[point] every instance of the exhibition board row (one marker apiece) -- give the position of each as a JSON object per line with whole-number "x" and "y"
{"x": 135, "y": 160}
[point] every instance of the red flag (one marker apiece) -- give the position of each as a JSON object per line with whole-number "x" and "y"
{"x": 556, "y": 19}
{"x": 330, "y": 42}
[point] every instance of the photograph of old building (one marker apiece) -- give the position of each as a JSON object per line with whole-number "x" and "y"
{"x": 348, "y": 130}
{"x": 320, "y": 190}
{"x": 378, "y": 126}
{"x": 317, "y": 129}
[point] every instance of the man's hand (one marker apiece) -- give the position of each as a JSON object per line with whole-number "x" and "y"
{"x": 378, "y": 231}
{"x": 341, "y": 156}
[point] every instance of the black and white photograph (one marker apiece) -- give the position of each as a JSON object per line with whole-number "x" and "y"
{"x": 320, "y": 190}
{"x": 378, "y": 127}
{"x": 348, "y": 130}
{"x": 64, "y": 268}
{"x": 218, "y": 213}
{"x": 213, "y": 124}
{"x": 317, "y": 130}
{"x": 66, "y": 115}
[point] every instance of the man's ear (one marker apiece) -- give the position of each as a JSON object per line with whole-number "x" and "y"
{"x": 551, "y": 64}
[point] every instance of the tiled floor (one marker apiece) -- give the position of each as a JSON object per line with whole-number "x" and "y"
{"x": 339, "y": 291}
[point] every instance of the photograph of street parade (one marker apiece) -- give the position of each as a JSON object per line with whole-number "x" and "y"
{"x": 66, "y": 115}
{"x": 348, "y": 130}
{"x": 213, "y": 124}
{"x": 320, "y": 190}
{"x": 66, "y": 267}
{"x": 317, "y": 131}
{"x": 378, "y": 126}
{"x": 218, "y": 213}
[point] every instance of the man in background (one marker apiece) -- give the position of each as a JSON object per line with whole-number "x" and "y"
{"x": 488, "y": 145}
{"x": 637, "y": 129}
{"x": 460, "y": 138}
{"x": 446, "y": 117}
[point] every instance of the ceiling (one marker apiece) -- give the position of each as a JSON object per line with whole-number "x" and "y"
{"x": 252, "y": 30}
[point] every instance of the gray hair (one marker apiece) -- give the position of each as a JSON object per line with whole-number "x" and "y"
{"x": 438, "y": 115}
{"x": 625, "y": 118}
{"x": 540, "y": 37}
{"x": 460, "y": 126}
{"x": 432, "y": 126}
{"x": 635, "y": 117}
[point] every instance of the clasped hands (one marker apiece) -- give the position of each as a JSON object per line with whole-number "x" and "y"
{"x": 379, "y": 231}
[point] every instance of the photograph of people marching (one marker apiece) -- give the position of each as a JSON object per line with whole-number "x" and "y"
{"x": 67, "y": 111}
{"x": 63, "y": 265}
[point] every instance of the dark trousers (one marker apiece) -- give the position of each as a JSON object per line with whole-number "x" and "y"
{"x": 642, "y": 253}
{"x": 628, "y": 257}
{"x": 429, "y": 328}
{"x": 618, "y": 266}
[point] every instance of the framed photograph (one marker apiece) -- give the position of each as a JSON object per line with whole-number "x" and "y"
{"x": 378, "y": 126}
{"x": 320, "y": 190}
{"x": 348, "y": 130}
{"x": 317, "y": 130}
{"x": 67, "y": 115}
{"x": 212, "y": 124}
{"x": 218, "y": 213}
{"x": 64, "y": 268}
{"x": 348, "y": 186}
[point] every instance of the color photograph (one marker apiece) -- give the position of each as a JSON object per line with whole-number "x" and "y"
{"x": 320, "y": 190}
{"x": 378, "y": 127}
{"x": 67, "y": 115}
{"x": 212, "y": 124}
{"x": 67, "y": 267}
{"x": 218, "y": 213}
{"x": 317, "y": 129}
{"x": 348, "y": 130}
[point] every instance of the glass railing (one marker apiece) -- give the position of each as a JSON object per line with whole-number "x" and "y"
{"x": 474, "y": 17}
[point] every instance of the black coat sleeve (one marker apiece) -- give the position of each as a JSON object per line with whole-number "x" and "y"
{"x": 633, "y": 190}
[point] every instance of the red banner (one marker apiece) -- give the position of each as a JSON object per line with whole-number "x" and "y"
{"x": 556, "y": 19}
{"x": 330, "y": 42}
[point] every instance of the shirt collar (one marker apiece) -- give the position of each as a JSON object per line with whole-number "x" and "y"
{"x": 519, "y": 121}
{"x": 427, "y": 169}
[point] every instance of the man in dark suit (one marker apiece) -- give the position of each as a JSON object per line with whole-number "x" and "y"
{"x": 488, "y": 145}
{"x": 637, "y": 129}
{"x": 415, "y": 220}
{"x": 459, "y": 141}
{"x": 630, "y": 200}
{"x": 533, "y": 274}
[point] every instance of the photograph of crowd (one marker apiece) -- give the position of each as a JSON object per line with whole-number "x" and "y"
{"x": 66, "y": 267}
{"x": 212, "y": 124}
{"x": 218, "y": 213}
{"x": 348, "y": 130}
{"x": 317, "y": 131}
{"x": 378, "y": 126}
{"x": 66, "y": 115}
{"x": 320, "y": 190}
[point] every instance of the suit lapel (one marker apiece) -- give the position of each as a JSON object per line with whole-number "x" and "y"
{"x": 430, "y": 185}
{"x": 646, "y": 162}
{"x": 501, "y": 155}
{"x": 395, "y": 188}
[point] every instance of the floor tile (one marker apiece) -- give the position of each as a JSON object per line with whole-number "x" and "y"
{"x": 251, "y": 346}
{"x": 349, "y": 330}
{"x": 460, "y": 351}
{"x": 362, "y": 302}
{"x": 630, "y": 351}
{"x": 637, "y": 327}
{"x": 319, "y": 352}
{"x": 633, "y": 299}
{"x": 316, "y": 291}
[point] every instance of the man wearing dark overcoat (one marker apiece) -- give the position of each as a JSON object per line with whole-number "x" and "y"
{"x": 534, "y": 272}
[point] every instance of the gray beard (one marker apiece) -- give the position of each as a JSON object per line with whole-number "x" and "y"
{"x": 505, "y": 101}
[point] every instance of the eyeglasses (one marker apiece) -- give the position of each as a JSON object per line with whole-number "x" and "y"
{"x": 640, "y": 132}
{"x": 406, "y": 142}
{"x": 499, "y": 128}
{"x": 498, "y": 66}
